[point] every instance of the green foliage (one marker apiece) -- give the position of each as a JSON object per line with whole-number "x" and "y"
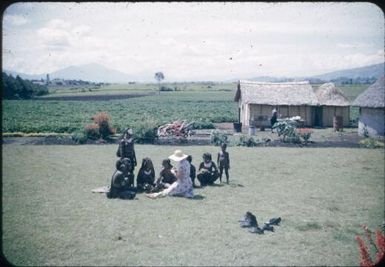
{"x": 145, "y": 131}
{"x": 202, "y": 107}
{"x": 249, "y": 141}
{"x": 372, "y": 143}
{"x": 17, "y": 88}
{"x": 218, "y": 138}
{"x": 287, "y": 129}
{"x": 79, "y": 137}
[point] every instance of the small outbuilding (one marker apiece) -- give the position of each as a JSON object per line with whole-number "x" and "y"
{"x": 256, "y": 100}
{"x": 332, "y": 104}
{"x": 371, "y": 105}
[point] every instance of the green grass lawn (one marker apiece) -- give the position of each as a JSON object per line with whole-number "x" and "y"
{"x": 50, "y": 217}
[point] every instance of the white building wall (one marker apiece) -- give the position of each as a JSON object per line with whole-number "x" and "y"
{"x": 373, "y": 119}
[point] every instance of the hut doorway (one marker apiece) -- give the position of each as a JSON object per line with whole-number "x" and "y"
{"x": 317, "y": 113}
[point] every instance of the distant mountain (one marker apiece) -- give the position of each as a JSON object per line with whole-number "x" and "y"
{"x": 376, "y": 71}
{"x": 26, "y": 76}
{"x": 370, "y": 71}
{"x": 92, "y": 72}
{"x": 89, "y": 72}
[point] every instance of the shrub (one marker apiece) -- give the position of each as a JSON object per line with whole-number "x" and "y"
{"x": 305, "y": 133}
{"x": 146, "y": 130}
{"x": 92, "y": 131}
{"x": 79, "y": 137}
{"x": 371, "y": 143}
{"x": 166, "y": 89}
{"x": 218, "y": 138}
{"x": 203, "y": 125}
{"x": 248, "y": 141}
{"x": 102, "y": 120}
{"x": 287, "y": 129}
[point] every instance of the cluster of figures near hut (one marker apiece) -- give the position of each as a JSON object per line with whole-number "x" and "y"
{"x": 173, "y": 181}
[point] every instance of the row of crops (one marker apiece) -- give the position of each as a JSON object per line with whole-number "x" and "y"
{"x": 202, "y": 107}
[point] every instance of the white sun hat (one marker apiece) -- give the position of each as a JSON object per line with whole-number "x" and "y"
{"x": 178, "y": 155}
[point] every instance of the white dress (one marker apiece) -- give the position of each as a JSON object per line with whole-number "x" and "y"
{"x": 182, "y": 186}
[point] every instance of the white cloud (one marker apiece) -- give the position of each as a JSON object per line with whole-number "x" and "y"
{"x": 15, "y": 20}
{"x": 195, "y": 39}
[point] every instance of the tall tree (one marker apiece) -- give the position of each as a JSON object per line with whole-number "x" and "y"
{"x": 159, "y": 76}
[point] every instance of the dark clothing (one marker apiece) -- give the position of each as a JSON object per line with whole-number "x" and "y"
{"x": 207, "y": 176}
{"x": 165, "y": 177}
{"x": 145, "y": 179}
{"x": 126, "y": 150}
{"x": 192, "y": 173}
{"x": 121, "y": 182}
{"x": 273, "y": 119}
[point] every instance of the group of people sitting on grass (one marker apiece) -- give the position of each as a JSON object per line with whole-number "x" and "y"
{"x": 173, "y": 181}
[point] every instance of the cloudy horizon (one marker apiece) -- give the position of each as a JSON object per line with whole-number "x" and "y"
{"x": 194, "y": 41}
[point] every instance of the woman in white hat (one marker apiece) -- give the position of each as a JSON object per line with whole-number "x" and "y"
{"x": 183, "y": 185}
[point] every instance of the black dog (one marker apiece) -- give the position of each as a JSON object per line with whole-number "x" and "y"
{"x": 249, "y": 220}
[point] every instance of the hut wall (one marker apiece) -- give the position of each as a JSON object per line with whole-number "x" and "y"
{"x": 328, "y": 113}
{"x": 256, "y": 110}
{"x": 373, "y": 120}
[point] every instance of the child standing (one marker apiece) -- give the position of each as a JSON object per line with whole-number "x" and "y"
{"x": 223, "y": 162}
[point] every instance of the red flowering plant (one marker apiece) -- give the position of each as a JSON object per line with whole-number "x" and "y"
{"x": 379, "y": 248}
{"x": 100, "y": 128}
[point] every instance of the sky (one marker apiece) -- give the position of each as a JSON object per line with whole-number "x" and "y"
{"x": 193, "y": 41}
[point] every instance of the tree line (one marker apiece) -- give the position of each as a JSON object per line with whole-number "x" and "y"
{"x": 17, "y": 88}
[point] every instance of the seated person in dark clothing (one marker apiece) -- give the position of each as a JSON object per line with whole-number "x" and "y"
{"x": 166, "y": 177}
{"x": 146, "y": 176}
{"x": 208, "y": 171}
{"x": 192, "y": 171}
{"x": 122, "y": 181}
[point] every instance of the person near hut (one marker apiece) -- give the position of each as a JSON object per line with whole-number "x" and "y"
{"x": 182, "y": 186}
{"x": 192, "y": 171}
{"x": 223, "y": 161}
{"x": 122, "y": 181}
{"x": 274, "y": 117}
{"x": 166, "y": 176}
{"x": 126, "y": 147}
{"x": 146, "y": 176}
{"x": 208, "y": 171}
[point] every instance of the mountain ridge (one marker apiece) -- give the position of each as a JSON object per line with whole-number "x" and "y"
{"x": 95, "y": 72}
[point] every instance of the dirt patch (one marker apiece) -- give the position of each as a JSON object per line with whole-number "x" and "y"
{"x": 320, "y": 138}
{"x": 99, "y": 97}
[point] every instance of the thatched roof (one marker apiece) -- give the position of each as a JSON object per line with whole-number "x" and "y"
{"x": 329, "y": 95}
{"x": 373, "y": 97}
{"x": 265, "y": 93}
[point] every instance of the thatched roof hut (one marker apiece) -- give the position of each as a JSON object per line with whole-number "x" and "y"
{"x": 334, "y": 106}
{"x": 329, "y": 95}
{"x": 257, "y": 99}
{"x": 265, "y": 93}
{"x": 373, "y": 97}
{"x": 372, "y": 110}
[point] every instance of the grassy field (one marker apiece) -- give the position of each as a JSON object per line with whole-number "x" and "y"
{"x": 201, "y": 102}
{"x": 50, "y": 216}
